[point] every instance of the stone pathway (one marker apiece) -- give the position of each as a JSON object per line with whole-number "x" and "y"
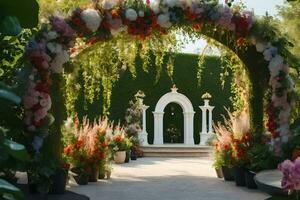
{"x": 166, "y": 179}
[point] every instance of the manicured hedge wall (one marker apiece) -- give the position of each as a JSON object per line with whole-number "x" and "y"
{"x": 185, "y": 78}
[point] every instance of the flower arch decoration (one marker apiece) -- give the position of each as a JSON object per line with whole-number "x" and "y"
{"x": 263, "y": 57}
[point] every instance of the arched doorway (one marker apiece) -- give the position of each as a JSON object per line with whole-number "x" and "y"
{"x": 188, "y": 114}
{"x": 173, "y": 125}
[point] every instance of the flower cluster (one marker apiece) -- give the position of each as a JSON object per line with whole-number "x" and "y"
{"x": 120, "y": 141}
{"x": 291, "y": 175}
{"x": 86, "y": 145}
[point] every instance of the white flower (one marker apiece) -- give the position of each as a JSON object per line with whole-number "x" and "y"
{"x": 109, "y": 4}
{"x": 91, "y": 18}
{"x": 169, "y": 3}
{"x": 141, "y": 13}
{"x": 131, "y": 14}
{"x": 164, "y": 20}
{"x": 260, "y": 47}
{"x": 269, "y": 53}
{"x": 154, "y": 5}
{"x": 54, "y": 47}
{"x": 51, "y": 35}
{"x": 58, "y": 62}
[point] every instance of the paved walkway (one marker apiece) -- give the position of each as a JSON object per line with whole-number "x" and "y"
{"x": 166, "y": 179}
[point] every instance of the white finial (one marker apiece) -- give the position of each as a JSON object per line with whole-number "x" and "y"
{"x": 174, "y": 89}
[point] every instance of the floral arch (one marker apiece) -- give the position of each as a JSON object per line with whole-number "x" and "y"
{"x": 264, "y": 56}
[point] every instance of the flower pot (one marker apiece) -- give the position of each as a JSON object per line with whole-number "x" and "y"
{"x": 239, "y": 176}
{"x": 59, "y": 182}
{"x": 249, "y": 177}
{"x": 81, "y": 177}
{"x": 219, "y": 173}
{"x": 133, "y": 155}
{"x": 93, "y": 173}
{"x": 120, "y": 157}
{"x": 227, "y": 173}
{"x": 127, "y": 158}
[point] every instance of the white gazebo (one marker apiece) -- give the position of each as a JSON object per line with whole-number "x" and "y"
{"x": 188, "y": 113}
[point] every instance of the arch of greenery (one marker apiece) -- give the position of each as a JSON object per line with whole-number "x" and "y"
{"x": 263, "y": 53}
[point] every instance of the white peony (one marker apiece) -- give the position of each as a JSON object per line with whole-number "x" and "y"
{"x": 131, "y": 14}
{"x": 54, "y": 47}
{"x": 164, "y": 20}
{"x": 91, "y": 18}
{"x": 58, "y": 62}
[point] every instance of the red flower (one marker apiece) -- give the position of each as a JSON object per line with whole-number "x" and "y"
{"x": 79, "y": 143}
{"x": 42, "y": 87}
{"x": 76, "y": 21}
{"x": 197, "y": 26}
{"x": 92, "y": 41}
{"x": 241, "y": 41}
{"x": 67, "y": 150}
{"x": 104, "y": 144}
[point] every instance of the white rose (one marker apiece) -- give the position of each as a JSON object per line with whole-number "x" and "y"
{"x": 91, "y": 18}
{"x": 164, "y": 20}
{"x": 131, "y": 14}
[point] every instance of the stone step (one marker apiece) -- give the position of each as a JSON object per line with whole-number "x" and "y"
{"x": 176, "y": 151}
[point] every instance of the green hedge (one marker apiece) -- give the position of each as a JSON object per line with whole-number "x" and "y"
{"x": 185, "y": 78}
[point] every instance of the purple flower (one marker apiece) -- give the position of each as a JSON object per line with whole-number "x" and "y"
{"x": 60, "y": 26}
{"x": 33, "y": 46}
{"x": 291, "y": 174}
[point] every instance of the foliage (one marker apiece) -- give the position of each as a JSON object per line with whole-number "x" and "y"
{"x": 261, "y": 158}
{"x": 293, "y": 145}
{"x": 120, "y": 141}
{"x": 13, "y": 155}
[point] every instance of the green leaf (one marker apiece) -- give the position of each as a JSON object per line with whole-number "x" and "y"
{"x": 27, "y": 11}
{"x": 10, "y": 26}
{"x": 4, "y": 94}
{"x": 7, "y": 190}
{"x": 16, "y": 150}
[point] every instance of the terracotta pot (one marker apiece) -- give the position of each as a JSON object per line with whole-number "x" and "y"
{"x": 219, "y": 173}
{"x": 120, "y": 157}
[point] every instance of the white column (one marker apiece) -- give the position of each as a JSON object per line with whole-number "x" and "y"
{"x": 189, "y": 128}
{"x": 210, "y": 121}
{"x": 204, "y": 135}
{"x": 144, "y": 134}
{"x": 158, "y": 128}
{"x": 204, "y": 121}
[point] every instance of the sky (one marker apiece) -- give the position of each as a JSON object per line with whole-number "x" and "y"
{"x": 260, "y": 7}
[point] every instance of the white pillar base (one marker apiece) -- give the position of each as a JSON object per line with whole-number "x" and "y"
{"x": 143, "y": 138}
{"x": 204, "y": 138}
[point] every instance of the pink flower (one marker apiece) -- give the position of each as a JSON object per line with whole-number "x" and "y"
{"x": 226, "y": 16}
{"x": 291, "y": 175}
{"x": 40, "y": 114}
{"x": 29, "y": 101}
{"x": 45, "y": 101}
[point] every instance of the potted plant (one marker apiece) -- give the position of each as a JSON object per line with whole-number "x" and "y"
{"x": 60, "y": 178}
{"x": 240, "y": 146}
{"x": 260, "y": 158}
{"x": 119, "y": 145}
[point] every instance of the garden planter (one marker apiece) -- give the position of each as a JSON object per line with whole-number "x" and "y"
{"x": 219, "y": 173}
{"x": 133, "y": 155}
{"x": 239, "y": 176}
{"x": 227, "y": 173}
{"x": 249, "y": 176}
{"x": 59, "y": 182}
{"x": 127, "y": 158}
{"x": 93, "y": 174}
{"x": 120, "y": 157}
{"x": 81, "y": 177}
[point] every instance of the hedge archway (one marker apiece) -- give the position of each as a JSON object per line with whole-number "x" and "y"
{"x": 263, "y": 55}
